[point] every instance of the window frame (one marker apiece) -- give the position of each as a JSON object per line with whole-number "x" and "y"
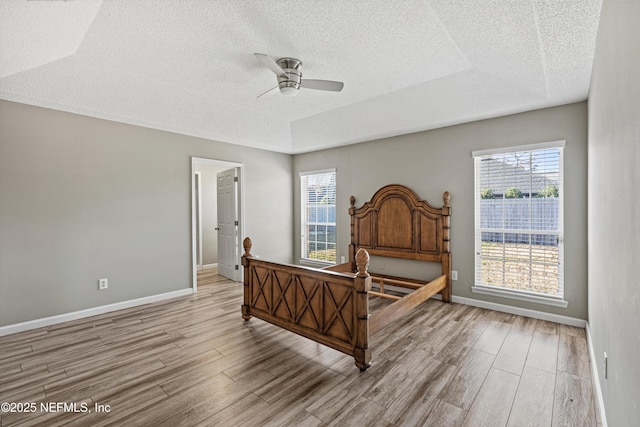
{"x": 304, "y": 258}
{"x": 519, "y": 294}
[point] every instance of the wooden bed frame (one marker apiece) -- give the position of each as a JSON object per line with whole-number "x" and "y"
{"x": 331, "y": 305}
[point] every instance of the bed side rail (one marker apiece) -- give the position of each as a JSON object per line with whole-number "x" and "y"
{"x": 401, "y": 307}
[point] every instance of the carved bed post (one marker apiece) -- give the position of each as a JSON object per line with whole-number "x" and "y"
{"x": 362, "y": 284}
{"x": 446, "y": 256}
{"x": 352, "y": 246}
{"x": 246, "y": 243}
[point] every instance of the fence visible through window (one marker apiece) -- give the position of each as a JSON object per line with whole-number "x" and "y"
{"x": 519, "y": 220}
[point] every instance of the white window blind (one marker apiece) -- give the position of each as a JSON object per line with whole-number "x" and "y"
{"x": 318, "y": 200}
{"x": 518, "y": 219}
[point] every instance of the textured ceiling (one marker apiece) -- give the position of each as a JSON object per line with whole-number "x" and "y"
{"x": 187, "y": 66}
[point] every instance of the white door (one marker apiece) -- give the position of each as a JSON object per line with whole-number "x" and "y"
{"x": 228, "y": 255}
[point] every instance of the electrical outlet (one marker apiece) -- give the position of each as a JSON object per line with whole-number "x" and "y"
{"x": 454, "y": 275}
{"x": 103, "y": 284}
{"x": 342, "y": 260}
{"x": 606, "y": 365}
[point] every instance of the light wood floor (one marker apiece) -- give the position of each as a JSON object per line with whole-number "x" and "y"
{"x": 194, "y": 361}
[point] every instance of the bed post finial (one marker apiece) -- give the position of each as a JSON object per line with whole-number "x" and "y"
{"x": 247, "y": 243}
{"x": 352, "y": 201}
{"x": 362, "y": 286}
{"x": 362, "y": 261}
{"x": 446, "y": 197}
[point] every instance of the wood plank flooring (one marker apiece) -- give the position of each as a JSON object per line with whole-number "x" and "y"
{"x": 193, "y": 361}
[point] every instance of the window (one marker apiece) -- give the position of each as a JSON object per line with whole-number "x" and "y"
{"x": 518, "y": 222}
{"x": 319, "y": 215}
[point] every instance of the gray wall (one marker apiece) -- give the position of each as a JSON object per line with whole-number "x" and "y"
{"x": 84, "y": 198}
{"x": 614, "y": 209}
{"x": 433, "y": 161}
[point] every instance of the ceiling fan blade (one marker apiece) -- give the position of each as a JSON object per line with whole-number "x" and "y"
{"x": 268, "y": 62}
{"x": 322, "y": 85}
{"x": 269, "y": 92}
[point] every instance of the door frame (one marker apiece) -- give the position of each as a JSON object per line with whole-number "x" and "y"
{"x": 197, "y": 209}
{"x": 194, "y": 225}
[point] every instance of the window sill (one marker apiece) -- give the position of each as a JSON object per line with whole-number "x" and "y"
{"x": 504, "y": 293}
{"x": 315, "y": 263}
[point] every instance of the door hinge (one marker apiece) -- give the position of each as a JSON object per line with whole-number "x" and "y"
{"x": 237, "y": 267}
{"x": 235, "y": 222}
{"x": 235, "y": 179}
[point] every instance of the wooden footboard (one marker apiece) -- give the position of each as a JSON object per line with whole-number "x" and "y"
{"x": 331, "y": 308}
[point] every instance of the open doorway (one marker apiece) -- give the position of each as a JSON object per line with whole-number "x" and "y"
{"x": 217, "y": 217}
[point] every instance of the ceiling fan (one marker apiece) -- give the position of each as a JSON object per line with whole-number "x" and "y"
{"x": 290, "y": 78}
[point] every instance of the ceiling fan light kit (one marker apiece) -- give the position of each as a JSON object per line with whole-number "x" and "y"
{"x": 289, "y": 73}
{"x": 289, "y": 84}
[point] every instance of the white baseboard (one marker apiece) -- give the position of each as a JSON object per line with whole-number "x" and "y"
{"x": 206, "y": 266}
{"x": 535, "y": 314}
{"x": 60, "y": 318}
{"x": 596, "y": 378}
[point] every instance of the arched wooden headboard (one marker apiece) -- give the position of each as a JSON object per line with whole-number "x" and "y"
{"x": 396, "y": 223}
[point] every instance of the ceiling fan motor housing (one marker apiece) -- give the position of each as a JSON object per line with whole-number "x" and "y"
{"x": 290, "y": 85}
